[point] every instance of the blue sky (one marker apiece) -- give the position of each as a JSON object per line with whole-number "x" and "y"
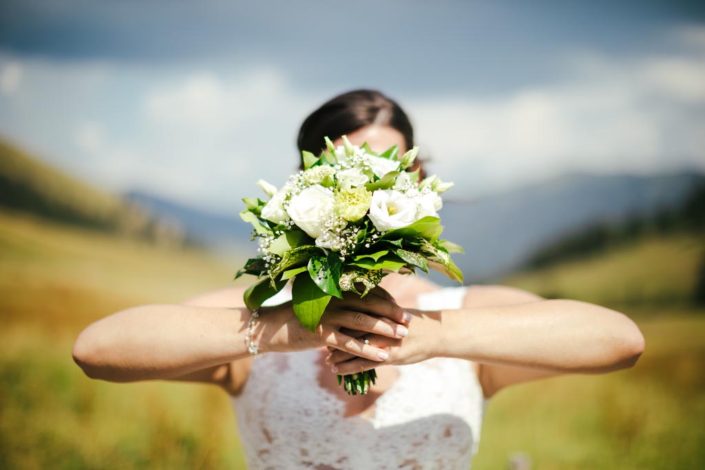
{"x": 196, "y": 100}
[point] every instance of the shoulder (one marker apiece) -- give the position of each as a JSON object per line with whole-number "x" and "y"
{"x": 493, "y": 295}
{"x": 226, "y": 297}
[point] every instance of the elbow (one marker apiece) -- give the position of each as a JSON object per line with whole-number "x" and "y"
{"x": 635, "y": 348}
{"x": 630, "y": 346}
{"x": 86, "y": 354}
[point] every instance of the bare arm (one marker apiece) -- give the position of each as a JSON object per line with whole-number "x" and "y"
{"x": 161, "y": 341}
{"x": 555, "y": 335}
{"x": 191, "y": 342}
{"x": 519, "y": 340}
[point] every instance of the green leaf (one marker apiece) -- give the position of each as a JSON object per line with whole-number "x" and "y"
{"x": 408, "y": 158}
{"x": 254, "y": 204}
{"x": 429, "y": 228}
{"x": 309, "y": 159}
{"x": 398, "y": 242}
{"x": 325, "y": 272}
{"x": 349, "y": 148}
{"x": 449, "y": 268}
{"x": 329, "y": 158}
{"x": 288, "y": 241}
{"x": 440, "y": 261}
{"x": 386, "y": 182}
{"x": 330, "y": 146}
{"x": 362, "y": 233}
{"x": 412, "y": 258}
{"x": 328, "y": 182}
{"x": 374, "y": 256}
{"x": 390, "y": 153}
{"x": 308, "y": 301}
{"x": 253, "y": 266}
{"x": 256, "y": 294}
{"x": 390, "y": 263}
{"x": 434, "y": 251}
{"x": 252, "y": 218}
{"x": 296, "y": 257}
{"x": 289, "y": 273}
{"x": 451, "y": 247}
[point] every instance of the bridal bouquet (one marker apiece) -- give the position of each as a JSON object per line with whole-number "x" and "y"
{"x": 340, "y": 225}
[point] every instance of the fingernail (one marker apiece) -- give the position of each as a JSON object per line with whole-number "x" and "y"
{"x": 407, "y": 317}
{"x": 402, "y": 330}
{"x": 383, "y": 355}
{"x": 334, "y": 369}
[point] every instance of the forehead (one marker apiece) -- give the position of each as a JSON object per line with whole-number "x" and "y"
{"x": 379, "y": 138}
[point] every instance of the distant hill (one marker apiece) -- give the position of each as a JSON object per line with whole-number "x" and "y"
{"x": 220, "y": 231}
{"x": 655, "y": 259}
{"x": 500, "y": 232}
{"x": 687, "y": 217}
{"x": 29, "y": 185}
{"x": 657, "y": 271}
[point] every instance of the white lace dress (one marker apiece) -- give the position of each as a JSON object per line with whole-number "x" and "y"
{"x": 430, "y": 418}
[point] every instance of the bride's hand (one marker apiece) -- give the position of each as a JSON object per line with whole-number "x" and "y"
{"x": 376, "y": 314}
{"x": 420, "y": 344}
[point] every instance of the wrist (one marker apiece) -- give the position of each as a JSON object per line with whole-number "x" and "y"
{"x": 429, "y": 326}
{"x": 442, "y": 337}
{"x": 268, "y": 332}
{"x": 454, "y": 336}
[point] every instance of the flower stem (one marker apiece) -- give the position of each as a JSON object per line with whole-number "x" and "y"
{"x": 358, "y": 384}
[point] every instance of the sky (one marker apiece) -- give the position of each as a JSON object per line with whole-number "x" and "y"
{"x": 195, "y": 101}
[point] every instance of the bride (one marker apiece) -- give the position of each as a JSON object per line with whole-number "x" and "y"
{"x": 440, "y": 353}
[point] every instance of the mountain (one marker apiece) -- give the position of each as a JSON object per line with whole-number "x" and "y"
{"x": 654, "y": 270}
{"x": 225, "y": 233}
{"x": 500, "y": 232}
{"x": 29, "y": 185}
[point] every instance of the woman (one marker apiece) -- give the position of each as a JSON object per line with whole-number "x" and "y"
{"x": 440, "y": 353}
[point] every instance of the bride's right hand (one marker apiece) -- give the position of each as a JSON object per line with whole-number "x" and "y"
{"x": 343, "y": 320}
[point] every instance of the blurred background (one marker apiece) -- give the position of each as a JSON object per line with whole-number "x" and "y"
{"x": 129, "y": 132}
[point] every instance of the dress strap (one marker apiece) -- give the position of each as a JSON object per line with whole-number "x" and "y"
{"x": 444, "y": 298}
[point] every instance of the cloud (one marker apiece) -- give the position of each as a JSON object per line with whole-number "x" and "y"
{"x": 206, "y": 101}
{"x": 90, "y": 138}
{"x": 205, "y": 134}
{"x": 10, "y": 77}
{"x": 610, "y": 115}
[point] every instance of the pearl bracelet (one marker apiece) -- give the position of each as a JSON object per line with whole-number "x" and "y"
{"x": 249, "y": 341}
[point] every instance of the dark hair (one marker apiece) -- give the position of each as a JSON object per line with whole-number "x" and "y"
{"x": 349, "y": 112}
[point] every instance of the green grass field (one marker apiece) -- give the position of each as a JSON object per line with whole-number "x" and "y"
{"x": 654, "y": 272}
{"x": 54, "y": 280}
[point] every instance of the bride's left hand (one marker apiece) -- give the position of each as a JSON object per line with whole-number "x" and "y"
{"x": 420, "y": 344}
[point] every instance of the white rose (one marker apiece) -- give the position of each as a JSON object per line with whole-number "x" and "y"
{"x": 311, "y": 208}
{"x": 381, "y": 166}
{"x": 351, "y": 178}
{"x": 429, "y": 204}
{"x": 392, "y": 209}
{"x": 274, "y": 209}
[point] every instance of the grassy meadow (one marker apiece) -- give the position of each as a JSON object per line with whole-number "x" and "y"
{"x": 54, "y": 280}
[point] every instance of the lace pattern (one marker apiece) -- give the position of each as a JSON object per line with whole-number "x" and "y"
{"x": 430, "y": 417}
